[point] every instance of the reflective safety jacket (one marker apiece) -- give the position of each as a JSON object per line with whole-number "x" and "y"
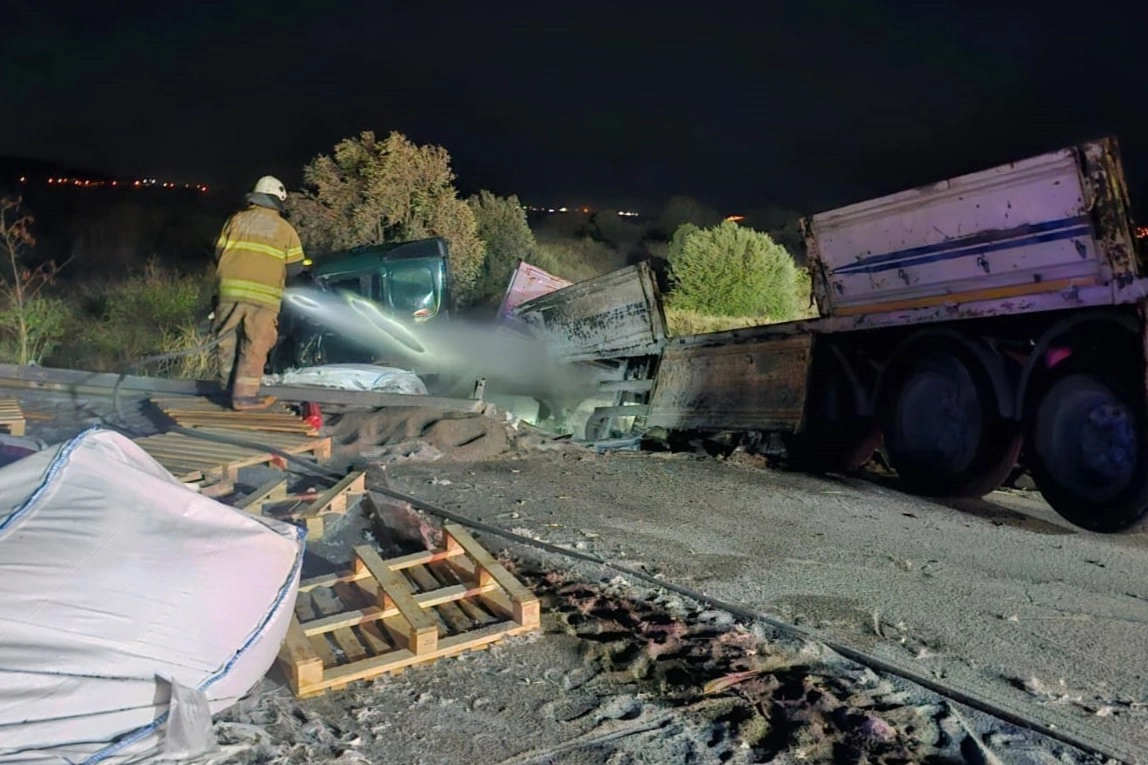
{"x": 252, "y": 255}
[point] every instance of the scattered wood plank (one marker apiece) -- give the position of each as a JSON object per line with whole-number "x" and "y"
{"x": 192, "y": 459}
{"x": 197, "y": 412}
{"x": 216, "y": 490}
{"x": 400, "y": 612}
{"x": 273, "y": 491}
{"x": 12, "y": 419}
{"x": 334, "y": 501}
{"x": 310, "y": 510}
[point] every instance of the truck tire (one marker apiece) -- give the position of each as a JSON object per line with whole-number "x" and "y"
{"x": 1087, "y": 441}
{"x": 942, "y": 426}
{"x": 837, "y": 437}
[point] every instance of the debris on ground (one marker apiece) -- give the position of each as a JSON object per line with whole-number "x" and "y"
{"x": 626, "y": 675}
{"x": 419, "y": 434}
{"x": 621, "y": 673}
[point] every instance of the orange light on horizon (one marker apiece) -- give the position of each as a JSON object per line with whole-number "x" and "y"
{"x": 735, "y": 218}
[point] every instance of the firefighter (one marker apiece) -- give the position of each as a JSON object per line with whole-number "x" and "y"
{"x": 257, "y": 250}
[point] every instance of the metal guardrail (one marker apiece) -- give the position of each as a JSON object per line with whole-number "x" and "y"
{"x": 80, "y": 382}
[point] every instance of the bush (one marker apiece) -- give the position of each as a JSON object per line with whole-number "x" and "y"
{"x": 373, "y": 191}
{"x": 31, "y": 321}
{"x": 503, "y": 229}
{"x": 33, "y": 331}
{"x": 576, "y": 259}
{"x": 118, "y": 323}
{"x": 729, "y": 270}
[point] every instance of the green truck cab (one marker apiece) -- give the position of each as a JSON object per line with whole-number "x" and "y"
{"x": 407, "y": 282}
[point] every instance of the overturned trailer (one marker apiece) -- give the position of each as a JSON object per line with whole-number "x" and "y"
{"x": 614, "y": 325}
{"x": 993, "y": 317}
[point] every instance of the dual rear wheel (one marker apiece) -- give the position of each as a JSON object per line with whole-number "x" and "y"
{"x": 939, "y": 413}
{"x": 943, "y": 428}
{"x": 1088, "y": 446}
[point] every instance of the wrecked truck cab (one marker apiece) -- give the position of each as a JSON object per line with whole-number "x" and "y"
{"x": 406, "y": 282}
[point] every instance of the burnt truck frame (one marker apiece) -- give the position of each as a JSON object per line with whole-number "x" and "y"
{"x": 994, "y": 318}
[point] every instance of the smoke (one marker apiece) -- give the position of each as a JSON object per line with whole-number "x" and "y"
{"x": 511, "y": 363}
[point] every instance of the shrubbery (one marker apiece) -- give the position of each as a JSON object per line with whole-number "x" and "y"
{"x": 32, "y": 321}
{"x": 114, "y": 324}
{"x": 372, "y": 191}
{"x": 576, "y": 259}
{"x": 507, "y": 237}
{"x": 729, "y": 270}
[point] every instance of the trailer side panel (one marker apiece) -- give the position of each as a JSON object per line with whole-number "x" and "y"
{"x": 1019, "y": 230}
{"x": 754, "y": 385}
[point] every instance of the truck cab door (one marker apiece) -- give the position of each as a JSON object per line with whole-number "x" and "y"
{"x": 413, "y": 290}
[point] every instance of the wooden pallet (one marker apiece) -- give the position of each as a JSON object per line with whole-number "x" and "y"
{"x": 386, "y": 615}
{"x": 12, "y": 419}
{"x": 198, "y": 412}
{"x": 193, "y": 459}
{"x": 273, "y": 501}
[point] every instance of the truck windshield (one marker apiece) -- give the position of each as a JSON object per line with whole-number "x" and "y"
{"x": 412, "y": 287}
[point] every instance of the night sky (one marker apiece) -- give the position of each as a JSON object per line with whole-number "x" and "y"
{"x": 794, "y": 103}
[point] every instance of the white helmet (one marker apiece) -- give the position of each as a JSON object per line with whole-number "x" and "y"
{"x": 269, "y": 184}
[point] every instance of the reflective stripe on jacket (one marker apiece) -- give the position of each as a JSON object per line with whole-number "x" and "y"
{"x": 252, "y": 254}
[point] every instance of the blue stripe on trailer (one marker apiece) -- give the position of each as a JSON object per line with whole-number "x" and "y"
{"x": 978, "y": 244}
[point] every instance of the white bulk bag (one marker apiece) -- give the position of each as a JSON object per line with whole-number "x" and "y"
{"x": 115, "y": 581}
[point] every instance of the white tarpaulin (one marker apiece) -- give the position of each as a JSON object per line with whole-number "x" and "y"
{"x": 117, "y": 581}
{"x": 353, "y": 377}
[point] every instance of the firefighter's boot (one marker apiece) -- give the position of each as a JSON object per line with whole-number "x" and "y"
{"x": 249, "y": 403}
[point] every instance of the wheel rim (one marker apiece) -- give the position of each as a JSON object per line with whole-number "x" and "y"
{"x": 1087, "y": 438}
{"x": 939, "y": 418}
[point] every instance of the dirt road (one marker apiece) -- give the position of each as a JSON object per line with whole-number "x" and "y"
{"x": 995, "y": 597}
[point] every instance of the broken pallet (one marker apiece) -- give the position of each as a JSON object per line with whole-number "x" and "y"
{"x": 273, "y": 501}
{"x": 199, "y": 412}
{"x": 12, "y": 419}
{"x": 386, "y": 615}
{"x": 192, "y": 459}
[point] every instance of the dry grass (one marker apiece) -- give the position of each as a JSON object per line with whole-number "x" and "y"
{"x": 195, "y": 362}
{"x": 683, "y": 322}
{"x": 117, "y": 322}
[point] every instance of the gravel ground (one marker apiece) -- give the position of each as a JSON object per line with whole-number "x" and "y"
{"x": 997, "y": 597}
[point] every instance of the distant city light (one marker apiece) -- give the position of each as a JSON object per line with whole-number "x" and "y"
{"x": 577, "y": 209}
{"x": 88, "y": 183}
